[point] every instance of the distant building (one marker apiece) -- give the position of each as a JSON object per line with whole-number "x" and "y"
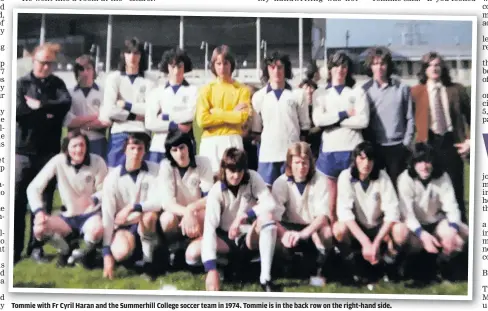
{"x": 407, "y": 59}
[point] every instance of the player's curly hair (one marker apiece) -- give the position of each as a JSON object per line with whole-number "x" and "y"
{"x": 175, "y": 56}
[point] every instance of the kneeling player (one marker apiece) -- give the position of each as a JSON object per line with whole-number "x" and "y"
{"x": 130, "y": 208}
{"x": 429, "y": 205}
{"x": 80, "y": 178}
{"x": 231, "y": 202}
{"x": 367, "y": 208}
{"x": 185, "y": 180}
{"x": 303, "y": 192}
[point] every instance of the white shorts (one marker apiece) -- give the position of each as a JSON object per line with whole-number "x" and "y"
{"x": 213, "y": 148}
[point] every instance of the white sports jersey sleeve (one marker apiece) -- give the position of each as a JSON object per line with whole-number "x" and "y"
{"x": 211, "y": 223}
{"x": 448, "y": 200}
{"x": 389, "y": 199}
{"x": 360, "y": 119}
{"x": 37, "y": 186}
{"x": 257, "y": 101}
{"x": 320, "y": 115}
{"x": 406, "y": 193}
{"x": 153, "y": 121}
{"x": 345, "y": 197}
{"x": 303, "y": 113}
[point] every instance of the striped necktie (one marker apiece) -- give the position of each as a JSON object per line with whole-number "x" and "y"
{"x": 439, "y": 114}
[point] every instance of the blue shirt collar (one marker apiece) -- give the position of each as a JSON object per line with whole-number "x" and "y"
{"x": 123, "y": 171}
{"x": 224, "y": 186}
{"x": 86, "y": 160}
{"x": 287, "y": 87}
{"x": 94, "y": 86}
{"x": 291, "y": 179}
{"x": 184, "y": 83}
{"x": 338, "y": 88}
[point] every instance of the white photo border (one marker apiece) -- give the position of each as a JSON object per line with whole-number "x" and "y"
{"x": 473, "y": 138}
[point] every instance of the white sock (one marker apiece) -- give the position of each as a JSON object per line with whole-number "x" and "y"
{"x": 194, "y": 262}
{"x": 267, "y": 241}
{"x": 149, "y": 242}
{"x": 60, "y": 243}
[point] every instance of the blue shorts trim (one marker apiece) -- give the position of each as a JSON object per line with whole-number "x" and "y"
{"x": 270, "y": 171}
{"x": 76, "y": 223}
{"x": 333, "y": 163}
{"x": 156, "y": 157}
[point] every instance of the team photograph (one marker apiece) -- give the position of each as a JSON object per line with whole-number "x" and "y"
{"x": 242, "y": 154}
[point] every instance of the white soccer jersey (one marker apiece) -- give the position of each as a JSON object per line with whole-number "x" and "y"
{"x": 302, "y": 208}
{"x": 423, "y": 205}
{"x": 330, "y": 110}
{"x": 166, "y": 106}
{"x": 78, "y": 189}
{"x": 188, "y": 189}
{"x": 120, "y": 190}
{"x": 370, "y": 208}
{"x": 117, "y": 86}
{"x": 82, "y": 105}
{"x": 279, "y": 120}
{"x": 223, "y": 207}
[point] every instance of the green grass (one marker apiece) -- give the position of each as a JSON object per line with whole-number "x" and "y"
{"x": 29, "y": 274}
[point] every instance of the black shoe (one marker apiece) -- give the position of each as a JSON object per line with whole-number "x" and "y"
{"x": 38, "y": 255}
{"x": 91, "y": 261}
{"x": 270, "y": 287}
{"x": 152, "y": 271}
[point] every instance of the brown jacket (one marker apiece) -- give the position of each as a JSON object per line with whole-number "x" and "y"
{"x": 459, "y": 109}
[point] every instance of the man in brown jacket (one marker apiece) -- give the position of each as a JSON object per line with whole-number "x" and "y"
{"x": 443, "y": 116}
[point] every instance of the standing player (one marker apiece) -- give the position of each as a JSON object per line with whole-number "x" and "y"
{"x": 172, "y": 105}
{"x": 130, "y": 207}
{"x": 367, "y": 208}
{"x": 442, "y": 119}
{"x": 392, "y": 123}
{"x": 342, "y": 110}
{"x": 429, "y": 205}
{"x": 185, "y": 180}
{"x": 42, "y": 104}
{"x": 315, "y": 134}
{"x": 80, "y": 178}
{"x": 223, "y": 107}
{"x": 281, "y": 114}
{"x": 124, "y": 101}
{"x": 86, "y": 100}
{"x": 230, "y": 203}
{"x": 302, "y": 191}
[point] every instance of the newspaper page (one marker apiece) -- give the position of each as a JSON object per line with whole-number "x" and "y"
{"x": 261, "y": 154}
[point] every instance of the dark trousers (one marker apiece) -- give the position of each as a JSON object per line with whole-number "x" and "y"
{"x": 394, "y": 160}
{"x": 26, "y": 169}
{"x": 453, "y": 164}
